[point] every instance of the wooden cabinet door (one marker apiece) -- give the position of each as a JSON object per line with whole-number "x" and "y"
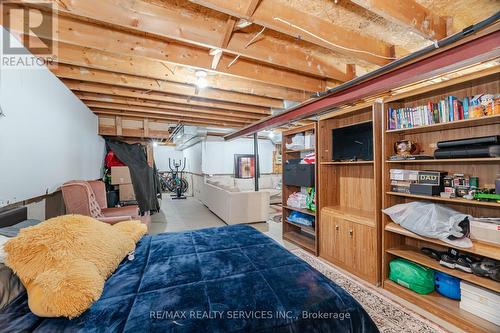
{"x": 364, "y": 254}
{"x": 333, "y": 239}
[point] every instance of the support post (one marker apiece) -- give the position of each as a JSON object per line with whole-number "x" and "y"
{"x": 256, "y": 155}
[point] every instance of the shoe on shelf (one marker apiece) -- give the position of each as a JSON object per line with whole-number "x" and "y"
{"x": 449, "y": 259}
{"x": 464, "y": 263}
{"x": 487, "y": 268}
{"x": 434, "y": 254}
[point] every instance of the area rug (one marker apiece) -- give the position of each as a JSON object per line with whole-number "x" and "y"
{"x": 389, "y": 316}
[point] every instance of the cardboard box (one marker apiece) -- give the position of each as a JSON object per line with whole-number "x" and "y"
{"x": 120, "y": 175}
{"x": 126, "y": 192}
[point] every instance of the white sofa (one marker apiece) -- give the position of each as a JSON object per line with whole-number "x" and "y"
{"x": 235, "y": 200}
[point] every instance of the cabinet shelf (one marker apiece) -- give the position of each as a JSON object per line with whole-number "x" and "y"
{"x": 352, "y": 214}
{"x": 413, "y": 254}
{"x": 300, "y": 239}
{"x": 301, "y": 210}
{"x": 443, "y": 307}
{"x": 460, "y": 201}
{"x": 449, "y": 160}
{"x": 479, "y": 248}
{"x": 291, "y": 151}
{"x": 450, "y": 125}
{"x": 346, "y": 163}
{"x": 305, "y": 227}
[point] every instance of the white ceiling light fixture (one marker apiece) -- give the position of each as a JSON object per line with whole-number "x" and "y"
{"x": 201, "y": 79}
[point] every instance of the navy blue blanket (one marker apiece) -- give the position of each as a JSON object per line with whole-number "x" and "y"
{"x": 229, "y": 279}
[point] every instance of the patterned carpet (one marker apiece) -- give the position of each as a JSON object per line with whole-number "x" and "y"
{"x": 389, "y": 316}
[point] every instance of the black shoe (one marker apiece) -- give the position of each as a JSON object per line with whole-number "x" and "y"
{"x": 486, "y": 268}
{"x": 464, "y": 263}
{"x": 434, "y": 254}
{"x": 449, "y": 259}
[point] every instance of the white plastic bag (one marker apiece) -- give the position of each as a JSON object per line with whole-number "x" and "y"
{"x": 430, "y": 220}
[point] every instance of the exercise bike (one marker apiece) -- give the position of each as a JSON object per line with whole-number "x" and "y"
{"x": 177, "y": 181}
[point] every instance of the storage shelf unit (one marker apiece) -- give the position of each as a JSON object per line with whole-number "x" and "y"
{"x": 443, "y": 307}
{"x": 300, "y": 235}
{"x": 460, "y": 201}
{"x": 398, "y": 242}
{"x": 349, "y": 197}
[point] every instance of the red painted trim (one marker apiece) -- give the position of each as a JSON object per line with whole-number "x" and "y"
{"x": 481, "y": 49}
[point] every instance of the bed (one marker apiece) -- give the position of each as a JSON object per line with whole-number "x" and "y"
{"x": 227, "y": 279}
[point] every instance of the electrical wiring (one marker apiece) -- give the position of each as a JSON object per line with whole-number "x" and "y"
{"x": 328, "y": 42}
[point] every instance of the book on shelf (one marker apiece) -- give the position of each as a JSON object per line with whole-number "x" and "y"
{"x": 446, "y": 110}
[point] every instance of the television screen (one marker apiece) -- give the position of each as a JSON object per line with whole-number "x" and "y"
{"x": 353, "y": 142}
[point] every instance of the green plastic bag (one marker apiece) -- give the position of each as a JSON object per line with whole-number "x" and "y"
{"x": 311, "y": 199}
{"x": 413, "y": 276}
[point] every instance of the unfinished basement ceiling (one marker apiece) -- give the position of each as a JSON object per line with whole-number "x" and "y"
{"x": 138, "y": 62}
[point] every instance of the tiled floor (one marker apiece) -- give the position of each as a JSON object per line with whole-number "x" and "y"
{"x": 191, "y": 214}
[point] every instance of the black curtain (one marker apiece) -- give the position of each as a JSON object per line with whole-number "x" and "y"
{"x": 144, "y": 178}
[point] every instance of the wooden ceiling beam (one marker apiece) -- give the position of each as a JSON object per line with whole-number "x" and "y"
{"x": 410, "y": 14}
{"x": 176, "y": 114}
{"x": 183, "y": 120}
{"x": 86, "y": 34}
{"x": 287, "y": 20}
{"x": 185, "y": 26}
{"x": 89, "y": 87}
{"x": 92, "y": 58}
{"x": 136, "y": 82}
{"x": 187, "y": 109}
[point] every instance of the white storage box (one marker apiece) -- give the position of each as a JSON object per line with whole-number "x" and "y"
{"x": 480, "y": 302}
{"x": 406, "y": 175}
{"x": 309, "y": 141}
{"x": 485, "y": 231}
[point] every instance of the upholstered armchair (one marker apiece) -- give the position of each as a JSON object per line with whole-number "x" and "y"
{"x": 89, "y": 198}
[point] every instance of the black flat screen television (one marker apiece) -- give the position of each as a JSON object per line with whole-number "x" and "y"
{"x": 353, "y": 143}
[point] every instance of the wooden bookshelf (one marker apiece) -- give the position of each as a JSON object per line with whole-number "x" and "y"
{"x": 449, "y": 160}
{"x": 460, "y": 201}
{"x": 398, "y": 242}
{"x": 346, "y": 163}
{"x": 298, "y": 234}
{"x": 301, "y": 210}
{"x": 413, "y": 254}
{"x": 444, "y": 308}
{"x": 494, "y": 119}
{"x": 350, "y": 197}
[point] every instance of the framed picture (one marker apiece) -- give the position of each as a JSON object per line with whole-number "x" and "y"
{"x": 244, "y": 166}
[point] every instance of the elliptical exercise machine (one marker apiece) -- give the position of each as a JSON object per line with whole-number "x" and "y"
{"x": 177, "y": 181}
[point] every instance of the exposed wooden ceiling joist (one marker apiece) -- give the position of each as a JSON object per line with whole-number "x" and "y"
{"x": 89, "y": 87}
{"x": 185, "y": 116}
{"x": 171, "y": 23}
{"x": 136, "y": 82}
{"x": 292, "y": 22}
{"x": 410, "y": 14}
{"x": 76, "y": 32}
{"x": 185, "y": 109}
{"x": 92, "y": 58}
{"x": 173, "y": 120}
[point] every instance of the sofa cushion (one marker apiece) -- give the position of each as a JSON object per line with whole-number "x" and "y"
{"x": 227, "y": 181}
{"x": 244, "y": 184}
{"x": 265, "y": 182}
{"x": 64, "y": 261}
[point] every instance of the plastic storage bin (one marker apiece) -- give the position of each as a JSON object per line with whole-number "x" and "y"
{"x": 447, "y": 285}
{"x": 299, "y": 174}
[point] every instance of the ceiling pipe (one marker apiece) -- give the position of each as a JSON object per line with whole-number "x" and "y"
{"x": 404, "y": 71}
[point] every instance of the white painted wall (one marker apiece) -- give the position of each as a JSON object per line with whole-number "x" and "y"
{"x": 218, "y": 155}
{"x": 194, "y": 158}
{"x": 163, "y": 153}
{"x": 47, "y": 137}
